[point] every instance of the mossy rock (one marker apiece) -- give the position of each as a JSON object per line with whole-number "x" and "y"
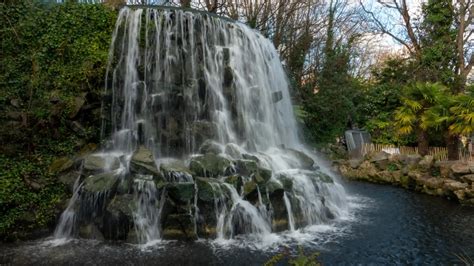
{"x": 321, "y": 177}
{"x": 182, "y": 192}
{"x": 101, "y": 182}
{"x": 123, "y": 204}
{"x": 143, "y": 155}
{"x": 207, "y": 191}
{"x": 286, "y": 181}
{"x": 249, "y": 187}
{"x": 305, "y": 161}
{"x": 263, "y": 175}
{"x": 175, "y": 171}
{"x": 210, "y": 146}
{"x": 233, "y": 151}
{"x": 236, "y": 181}
{"x": 210, "y": 165}
{"x": 96, "y": 163}
{"x": 273, "y": 185}
{"x": 246, "y": 167}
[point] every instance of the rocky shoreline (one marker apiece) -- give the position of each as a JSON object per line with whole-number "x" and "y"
{"x": 450, "y": 179}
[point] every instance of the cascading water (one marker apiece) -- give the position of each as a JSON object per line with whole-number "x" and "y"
{"x": 202, "y": 140}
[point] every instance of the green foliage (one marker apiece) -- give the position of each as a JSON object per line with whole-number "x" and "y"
{"x": 438, "y": 40}
{"x": 28, "y": 196}
{"x": 53, "y": 60}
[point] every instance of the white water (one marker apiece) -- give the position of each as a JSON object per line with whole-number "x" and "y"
{"x": 177, "y": 79}
{"x": 148, "y": 210}
{"x": 67, "y": 221}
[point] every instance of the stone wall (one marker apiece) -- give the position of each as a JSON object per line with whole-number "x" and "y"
{"x": 451, "y": 179}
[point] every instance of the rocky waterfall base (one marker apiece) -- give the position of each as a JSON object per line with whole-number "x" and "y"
{"x": 219, "y": 194}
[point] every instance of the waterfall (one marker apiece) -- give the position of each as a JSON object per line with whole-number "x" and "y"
{"x": 200, "y": 137}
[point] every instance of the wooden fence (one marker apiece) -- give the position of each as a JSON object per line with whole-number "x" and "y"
{"x": 439, "y": 153}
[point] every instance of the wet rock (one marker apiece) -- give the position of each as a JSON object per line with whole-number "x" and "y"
{"x": 182, "y": 192}
{"x": 247, "y": 156}
{"x": 211, "y": 165}
{"x": 249, "y": 187}
{"x": 236, "y": 181}
{"x": 210, "y": 146}
{"x": 96, "y": 163}
{"x": 233, "y": 151}
{"x": 143, "y": 155}
{"x": 207, "y": 191}
{"x": 143, "y": 163}
{"x": 179, "y": 226}
{"x": 305, "y": 161}
{"x": 69, "y": 178}
{"x": 277, "y": 96}
{"x": 103, "y": 182}
{"x": 175, "y": 171}
{"x": 90, "y": 231}
{"x": 118, "y": 218}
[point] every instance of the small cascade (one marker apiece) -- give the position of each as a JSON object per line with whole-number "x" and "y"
{"x": 148, "y": 209}
{"x": 291, "y": 219}
{"x": 245, "y": 218}
{"x": 67, "y": 221}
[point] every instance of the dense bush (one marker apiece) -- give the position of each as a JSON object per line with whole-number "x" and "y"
{"x": 53, "y": 59}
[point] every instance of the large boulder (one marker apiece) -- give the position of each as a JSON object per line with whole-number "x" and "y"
{"x": 143, "y": 163}
{"x": 207, "y": 189}
{"x": 175, "y": 171}
{"x": 104, "y": 182}
{"x": 250, "y": 168}
{"x": 233, "y": 150}
{"x": 210, "y": 146}
{"x": 211, "y": 165}
{"x": 182, "y": 192}
{"x": 460, "y": 168}
{"x": 380, "y": 160}
{"x": 305, "y": 161}
{"x": 118, "y": 218}
{"x": 101, "y": 162}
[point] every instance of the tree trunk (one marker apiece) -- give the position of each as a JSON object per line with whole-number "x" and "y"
{"x": 452, "y": 143}
{"x": 423, "y": 145}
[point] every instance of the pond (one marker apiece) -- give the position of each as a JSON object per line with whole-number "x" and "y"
{"x": 386, "y": 225}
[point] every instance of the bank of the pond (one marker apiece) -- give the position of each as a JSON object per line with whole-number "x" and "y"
{"x": 450, "y": 179}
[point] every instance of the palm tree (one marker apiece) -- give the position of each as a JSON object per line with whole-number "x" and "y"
{"x": 454, "y": 114}
{"x": 414, "y": 116}
{"x": 463, "y": 112}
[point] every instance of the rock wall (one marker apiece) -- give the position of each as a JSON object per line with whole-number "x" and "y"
{"x": 450, "y": 179}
